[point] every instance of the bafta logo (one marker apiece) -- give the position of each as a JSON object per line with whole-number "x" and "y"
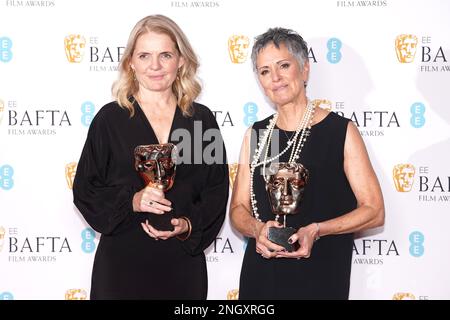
{"x": 323, "y": 103}
{"x": 403, "y": 296}
{"x": 2, "y": 237}
{"x": 71, "y": 169}
{"x": 403, "y": 175}
{"x": 2, "y": 108}
{"x": 405, "y": 47}
{"x": 233, "y": 294}
{"x": 232, "y": 168}
{"x": 75, "y": 294}
{"x": 74, "y": 45}
{"x": 238, "y": 48}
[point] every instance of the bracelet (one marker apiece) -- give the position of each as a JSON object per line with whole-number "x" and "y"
{"x": 189, "y": 229}
{"x": 318, "y": 232}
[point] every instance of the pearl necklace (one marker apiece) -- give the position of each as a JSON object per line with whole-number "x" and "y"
{"x": 303, "y": 130}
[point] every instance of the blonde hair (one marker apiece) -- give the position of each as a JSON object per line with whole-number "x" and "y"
{"x": 186, "y": 87}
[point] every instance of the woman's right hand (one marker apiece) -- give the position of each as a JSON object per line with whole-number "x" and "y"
{"x": 266, "y": 248}
{"x": 151, "y": 199}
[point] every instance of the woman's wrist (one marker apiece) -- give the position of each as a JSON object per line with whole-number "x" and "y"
{"x": 317, "y": 233}
{"x": 185, "y": 235}
{"x": 135, "y": 202}
{"x": 257, "y": 226}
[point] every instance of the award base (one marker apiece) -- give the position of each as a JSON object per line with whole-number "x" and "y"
{"x": 280, "y": 236}
{"x": 161, "y": 222}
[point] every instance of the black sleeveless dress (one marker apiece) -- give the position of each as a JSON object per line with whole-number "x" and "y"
{"x": 326, "y": 273}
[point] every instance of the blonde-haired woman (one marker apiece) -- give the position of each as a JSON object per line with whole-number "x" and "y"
{"x": 154, "y": 104}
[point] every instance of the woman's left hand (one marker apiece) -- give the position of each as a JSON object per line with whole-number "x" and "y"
{"x": 305, "y": 237}
{"x": 180, "y": 226}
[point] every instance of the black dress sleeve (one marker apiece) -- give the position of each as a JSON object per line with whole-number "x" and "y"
{"x": 103, "y": 202}
{"x": 208, "y": 214}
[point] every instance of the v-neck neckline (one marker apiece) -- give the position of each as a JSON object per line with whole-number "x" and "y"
{"x": 149, "y": 125}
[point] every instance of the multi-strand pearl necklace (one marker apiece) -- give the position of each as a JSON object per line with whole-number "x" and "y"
{"x": 303, "y": 130}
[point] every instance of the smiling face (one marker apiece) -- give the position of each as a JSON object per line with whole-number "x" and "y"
{"x": 285, "y": 188}
{"x": 155, "y": 61}
{"x": 281, "y": 76}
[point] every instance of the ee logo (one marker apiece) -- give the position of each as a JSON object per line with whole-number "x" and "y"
{"x": 250, "y": 111}
{"x": 6, "y": 174}
{"x": 6, "y": 296}
{"x": 417, "y": 112}
{"x": 87, "y": 111}
{"x": 416, "y": 248}
{"x": 88, "y": 244}
{"x": 5, "y": 49}
{"x": 334, "y": 54}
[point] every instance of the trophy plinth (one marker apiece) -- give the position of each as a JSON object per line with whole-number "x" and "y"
{"x": 285, "y": 186}
{"x": 280, "y": 236}
{"x": 156, "y": 165}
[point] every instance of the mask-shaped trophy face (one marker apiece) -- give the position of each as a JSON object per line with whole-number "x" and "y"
{"x": 285, "y": 186}
{"x": 156, "y": 164}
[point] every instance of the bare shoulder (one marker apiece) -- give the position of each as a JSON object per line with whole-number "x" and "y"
{"x": 354, "y": 143}
{"x": 353, "y": 132}
{"x": 248, "y": 133}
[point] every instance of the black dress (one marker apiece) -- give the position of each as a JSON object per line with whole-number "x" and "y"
{"x": 326, "y": 273}
{"x": 128, "y": 263}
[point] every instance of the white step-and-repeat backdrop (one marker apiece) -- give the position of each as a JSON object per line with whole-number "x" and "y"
{"x": 384, "y": 64}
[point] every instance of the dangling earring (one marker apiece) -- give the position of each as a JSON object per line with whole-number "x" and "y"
{"x": 178, "y": 74}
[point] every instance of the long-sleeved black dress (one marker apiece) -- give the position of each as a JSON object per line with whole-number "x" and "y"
{"x": 326, "y": 273}
{"x": 128, "y": 263}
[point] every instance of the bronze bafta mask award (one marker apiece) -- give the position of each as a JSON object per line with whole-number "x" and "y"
{"x": 285, "y": 186}
{"x": 156, "y": 165}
